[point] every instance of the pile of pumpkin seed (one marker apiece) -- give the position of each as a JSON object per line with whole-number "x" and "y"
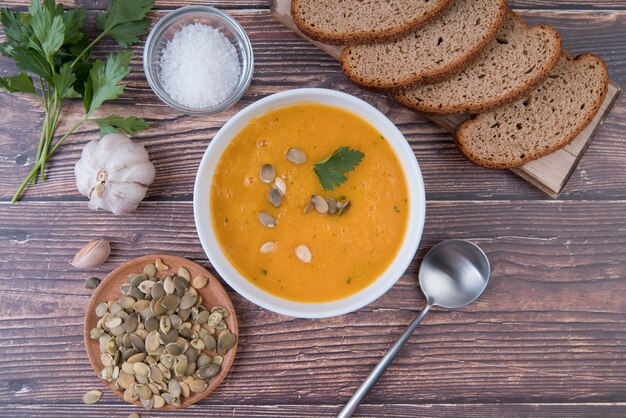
{"x": 158, "y": 343}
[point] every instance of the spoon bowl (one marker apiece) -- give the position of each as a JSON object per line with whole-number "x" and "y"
{"x": 454, "y": 273}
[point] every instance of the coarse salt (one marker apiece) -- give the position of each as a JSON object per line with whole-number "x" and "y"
{"x": 199, "y": 67}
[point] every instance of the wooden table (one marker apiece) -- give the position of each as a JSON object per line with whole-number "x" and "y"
{"x": 548, "y": 338}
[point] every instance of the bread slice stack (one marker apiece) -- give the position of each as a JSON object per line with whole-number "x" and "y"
{"x": 528, "y": 97}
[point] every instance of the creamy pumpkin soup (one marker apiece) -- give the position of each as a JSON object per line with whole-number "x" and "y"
{"x": 309, "y": 203}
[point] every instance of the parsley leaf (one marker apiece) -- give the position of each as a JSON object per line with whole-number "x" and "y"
{"x": 63, "y": 82}
{"x": 73, "y": 20}
{"x": 130, "y": 125}
{"x": 125, "y": 20}
{"x": 48, "y": 30}
{"x": 16, "y": 31}
{"x": 19, "y": 83}
{"x": 103, "y": 82}
{"x": 331, "y": 171}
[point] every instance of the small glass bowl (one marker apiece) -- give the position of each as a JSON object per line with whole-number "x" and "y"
{"x": 169, "y": 25}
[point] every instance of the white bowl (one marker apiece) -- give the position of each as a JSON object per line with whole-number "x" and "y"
{"x": 203, "y": 215}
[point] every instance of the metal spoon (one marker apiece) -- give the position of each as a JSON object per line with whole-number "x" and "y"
{"x": 453, "y": 274}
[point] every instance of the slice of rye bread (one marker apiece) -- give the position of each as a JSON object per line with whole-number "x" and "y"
{"x": 350, "y": 22}
{"x": 545, "y": 121}
{"x": 431, "y": 53}
{"x": 516, "y": 62}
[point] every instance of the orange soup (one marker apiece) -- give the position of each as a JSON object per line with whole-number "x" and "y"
{"x": 308, "y": 254}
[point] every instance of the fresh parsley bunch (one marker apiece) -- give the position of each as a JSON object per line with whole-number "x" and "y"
{"x": 49, "y": 45}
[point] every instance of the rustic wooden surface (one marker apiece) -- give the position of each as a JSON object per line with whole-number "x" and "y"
{"x": 547, "y": 339}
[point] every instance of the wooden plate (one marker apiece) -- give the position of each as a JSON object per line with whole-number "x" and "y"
{"x": 213, "y": 294}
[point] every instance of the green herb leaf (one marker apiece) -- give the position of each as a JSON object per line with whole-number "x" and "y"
{"x": 125, "y": 20}
{"x": 48, "y": 30}
{"x": 19, "y": 83}
{"x": 331, "y": 171}
{"x": 28, "y": 59}
{"x": 15, "y": 28}
{"x": 63, "y": 82}
{"x": 73, "y": 20}
{"x": 103, "y": 82}
{"x": 130, "y": 125}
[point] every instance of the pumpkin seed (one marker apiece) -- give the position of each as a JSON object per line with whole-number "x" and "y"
{"x": 92, "y": 396}
{"x": 268, "y": 247}
{"x": 267, "y": 173}
{"x": 303, "y": 253}
{"x": 203, "y": 360}
{"x": 181, "y": 284}
{"x": 143, "y": 391}
{"x": 136, "y": 279}
{"x": 113, "y": 321}
{"x": 275, "y": 197}
{"x": 157, "y": 290}
{"x": 134, "y": 415}
{"x": 308, "y": 208}
{"x": 170, "y": 302}
{"x": 267, "y": 220}
{"x": 345, "y": 205}
{"x": 296, "y": 156}
{"x": 280, "y": 184}
{"x": 199, "y": 282}
{"x": 181, "y": 366}
{"x": 152, "y": 342}
{"x": 214, "y": 318}
{"x": 92, "y": 283}
{"x": 149, "y": 270}
{"x": 225, "y": 313}
{"x": 159, "y": 402}
{"x": 170, "y": 337}
{"x": 332, "y": 205}
{"x": 125, "y": 380}
{"x": 218, "y": 360}
{"x": 210, "y": 342}
{"x": 184, "y": 273}
{"x": 198, "y": 386}
{"x": 173, "y": 388}
{"x": 319, "y": 203}
{"x": 203, "y": 317}
{"x": 141, "y": 369}
{"x": 95, "y": 333}
{"x": 174, "y": 349}
{"x": 136, "y": 358}
{"x": 165, "y": 324}
{"x": 131, "y": 323}
{"x": 146, "y": 286}
{"x": 160, "y": 266}
{"x": 225, "y": 341}
{"x": 101, "y": 309}
{"x": 208, "y": 371}
{"x": 188, "y": 301}
{"x": 168, "y": 285}
{"x": 184, "y": 389}
{"x": 151, "y": 324}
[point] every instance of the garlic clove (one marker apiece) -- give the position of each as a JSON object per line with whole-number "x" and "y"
{"x": 92, "y": 255}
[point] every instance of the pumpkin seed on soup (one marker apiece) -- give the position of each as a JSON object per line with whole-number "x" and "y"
{"x": 267, "y": 173}
{"x": 296, "y": 156}
{"x": 267, "y": 220}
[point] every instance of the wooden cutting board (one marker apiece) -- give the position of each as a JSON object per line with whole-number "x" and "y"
{"x": 549, "y": 173}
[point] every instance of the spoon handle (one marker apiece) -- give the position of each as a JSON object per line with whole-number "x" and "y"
{"x": 380, "y": 368}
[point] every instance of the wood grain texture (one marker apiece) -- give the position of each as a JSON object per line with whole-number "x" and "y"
{"x": 285, "y": 61}
{"x": 553, "y": 317}
{"x": 547, "y": 339}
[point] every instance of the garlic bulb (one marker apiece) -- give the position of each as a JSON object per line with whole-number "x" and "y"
{"x": 114, "y": 173}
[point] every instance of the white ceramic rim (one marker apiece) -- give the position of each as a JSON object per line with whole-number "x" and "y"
{"x": 213, "y": 250}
